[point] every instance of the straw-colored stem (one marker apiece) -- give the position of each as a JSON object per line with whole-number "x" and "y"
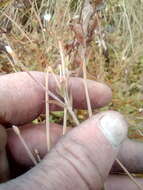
{"x": 20, "y": 29}
{"x": 47, "y": 112}
{"x": 129, "y": 175}
{"x": 37, "y": 155}
{"x": 85, "y": 83}
{"x": 40, "y": 23}
{"x": 17, "y": 131}
{"x": 65, "y": 76}
{"x": 65, "y": 121}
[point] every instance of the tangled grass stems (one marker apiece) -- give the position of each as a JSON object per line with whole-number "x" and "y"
{"x": 64, "y": 79}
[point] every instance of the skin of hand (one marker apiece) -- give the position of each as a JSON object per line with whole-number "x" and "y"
{"x": 4, "y": 166}
{"x": 82, "y": 159}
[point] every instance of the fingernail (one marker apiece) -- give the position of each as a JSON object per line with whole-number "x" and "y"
{"x": 114, "y": 127}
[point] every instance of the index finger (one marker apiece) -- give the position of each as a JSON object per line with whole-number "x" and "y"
{"x": 22, "y": 100}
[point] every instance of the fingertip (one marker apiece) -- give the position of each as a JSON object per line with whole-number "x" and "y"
{"x": 102, "y": 94}
{"x": 83, "y": 158}
{"x": 114, "y": 127}
{"x": 99, "y": 94}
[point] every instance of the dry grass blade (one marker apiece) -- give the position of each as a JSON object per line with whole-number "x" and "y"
{"x": 119, "y": 25}
{"x": 65, "y": 121}
{"x": 20, "y": 29}
{"x": 85, "y": 84}
{"x": 37, "y": 155}
{"x": 81, "y": 33}
{"x": 47, "y": 110}
{"x": 63, "y": 73}
{"x": 12, "y": 54}
{"x": 64, "y": 76}
{"x": 55, "y": 77}
{"x": 17, "y": 132}
{"x": 129, "y": 175}
{"x": 14, "y": 60}
{"x": 40, "y": 23}
{"x": 43, "y": 87}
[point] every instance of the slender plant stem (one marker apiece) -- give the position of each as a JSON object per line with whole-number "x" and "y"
{"x": 37, "y": 155}
{"x": 17, "y": 132}
{"x": 64, "y": 76}
{"x": 86, "y": 88}
{"x": 47, "y": 111}
{"x": 129, "y": 175}
{"x": 65, "y": 121}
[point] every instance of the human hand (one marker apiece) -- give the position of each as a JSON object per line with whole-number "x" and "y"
{"x": 82, "y": 158}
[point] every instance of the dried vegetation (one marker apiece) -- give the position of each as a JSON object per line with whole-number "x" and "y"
{"x": 106, "y": 46}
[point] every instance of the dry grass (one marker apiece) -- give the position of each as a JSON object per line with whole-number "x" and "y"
{"x": 113, "y": 54}
{"x": 115, "y": 51}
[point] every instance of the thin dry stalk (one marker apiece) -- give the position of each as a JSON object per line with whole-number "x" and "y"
{"x": 130, "y": 175}
{"x": 11, "y": 62}
{"x": 62, "y": 60}
{"x": 65, "y": 121}
{"x": 40, "y": 23}
{"x": 72, "y": 114}
{"x": 85, "y": 83}
{"x": 81, "y": 11}
{"x": 65, "y": 109}
{"x": 42, "y": 5}
{"x": 55, "y": 77}
{"x": 49, "y": 92}
{"x": 83, "y": 57}
{"x": 18, "y": 27}
{"x": 128, "y": 24}
{"x": 15, "y": 61}
{"x": 17, "y": 132}
{"x": 47, "y": 111}
{"x": 65, "y": 76}
{"x": 37, "y": 155}
{"x": 12, "y": 54}
{"x": 85, "y": 16}
{"x": 65, "y": 86}
{"x": 65, "y": 14}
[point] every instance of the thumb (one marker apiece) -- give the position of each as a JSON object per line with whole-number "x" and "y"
{"x": 81, "y": 160}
